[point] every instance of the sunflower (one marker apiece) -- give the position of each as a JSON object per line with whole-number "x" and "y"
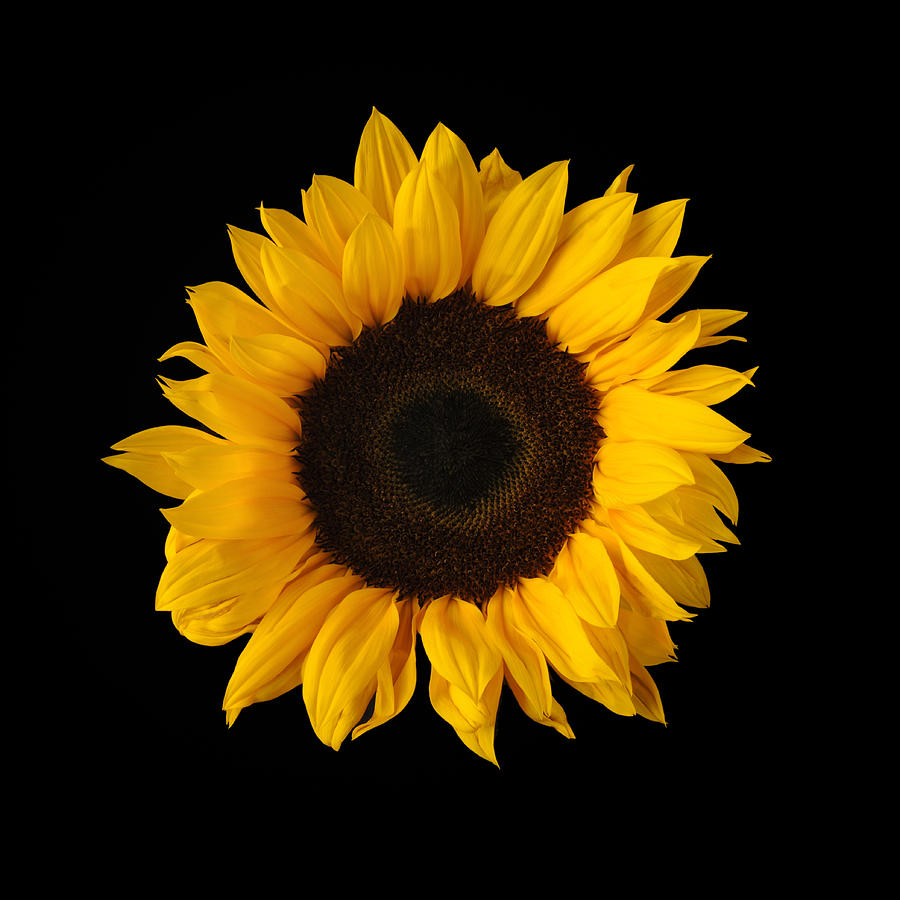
{"x": 449, "y": 413}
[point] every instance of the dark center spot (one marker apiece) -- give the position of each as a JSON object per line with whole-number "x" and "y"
{"x": 448, "y": 451}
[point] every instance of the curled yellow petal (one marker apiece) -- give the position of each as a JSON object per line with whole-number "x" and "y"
{"x": 497, "y": 180}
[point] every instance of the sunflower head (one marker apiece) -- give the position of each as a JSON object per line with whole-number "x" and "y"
{"x": 451, "y": 412}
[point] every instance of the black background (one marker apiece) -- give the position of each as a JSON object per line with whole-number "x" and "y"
{"x": 140, "y": 173}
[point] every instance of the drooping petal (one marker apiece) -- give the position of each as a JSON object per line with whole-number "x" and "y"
{"x": 383, "y": 160}
{"x": 588, "y": 240}
{"x": 340, "y": 673}
{"x": 473, "y": 721}
{"x": 705, "y": 384}
{"x": 456, "y": 640}
{"x": 713, "y": 483}
{"x": 450, "y": 161}
{"x": 373, "y": 272}
{"x": 218, "y": 623}
{"x": 645, "y": 694}
{"x": 497, "y": 180}
{"x": 244, "y": 509}
{"x": 521, "y": 236}
{"x": 525, "y": 667}
{"x": 426, "y": 225}
{"x": 396, "y": 679}
{"x": 629, "y": 413}
{"x": 683, "y": 579}
{"x": 272, "y": 662}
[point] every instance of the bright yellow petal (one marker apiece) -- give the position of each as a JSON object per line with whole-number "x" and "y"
{"x": 333, "y": 209}
{"x": 635, "y": 526}
{"x": 620, "y": 182}
{"x": 455, "y": 637}
{"x": 286, "y": 365}
{"x": 373, "y": 272}
{"x": 521, "y": 236}
{"x": 497, "y": 180}
{"x": 210, "y": 572}
{"x": 630, "y": 472}
{"x": 209, "y": 465}
{"x": 589, "y": 238}
{"x": 218, "y": 623}
{"x": 238, "y": 410}
{"x": 473, "y": 721}
{"x": 742, "y": 454}
{"x": 199, "y": 354}
{"x": 450, "y": 161}
{"x": 272, "y": 662}
{"x": 585, "y": 574}
{"x": 383, "y": 160}
{"x": 672, "y": 284}
{"x": 608, "y": 305}
{"x": 653, "y": 349}
{"x": 426, "y": 225}
{"x": 247, "y": 248}
{"x": 653, "y": 232}
{"x": 629, "y": 413}
{"x": 539, "y": 609}
{"x": 244, "y": 509}
{"x": 683, "y": 579}
{"x": 708, "y": 385}
{"x": 288, "y": 231}
{"x": 340, "y": 673}
{"x": 396, "y": 679}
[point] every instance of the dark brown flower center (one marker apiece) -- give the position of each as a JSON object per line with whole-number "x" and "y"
{"x": 448, "y": 451}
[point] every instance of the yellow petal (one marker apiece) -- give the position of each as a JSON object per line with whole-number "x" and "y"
{"x": 683, "y": 579}
{"x": 672, "y": 284}
{"x": 629, "y": 413}
{"x": 704, "y": 384}
{"x": 585, "y": 574}
{"x": 339, "y": 675}
{"x": 288, "y": 231}
{"x": 630, "y": 472}
{"x": 223, "y": 312}
{"x": 333, "y": 209}
{"x": 373, "y": 273}
{"x": 608, "y": 305}
{"x": 497, "y": 180}
{"x": 383, "y": 160}
{"x": 309, "y": 296}
{"x": 521, "y": 236}
{"x": 712, "y": 482}
{"x": 645, "y": 694}
{"x": 620, "y": 182}
{"x": 286, "y": 365}
{"x": 455, "y": 637}
{"x": 640, "y": 593}
{"x": 653, "y": 349}
{"x": 635, "y": 526}
{"x": 218, "y": 623}
{"x": 450, "y": 161}
{"x": 742, "y": 454}
{"x": 143, "y": 456}
{"x": 473, "y": 721}
{"x": 199, "y": 354}
{"x": 238, "y": 410}
{"x": 541, "y": 610}
{"x": 244, "y": 509}
{"x": 588, "y": 240}
{"x": 209, "y": 465}
{"x": 526, "y": 667}
{"x": 209, "y": 572}
{"x": 653, "y": 232}
{"x": 426, "y": 225}
{"x": 272, "y": 662}
{"x": 247, "y": 247}
{"x": 713, "y": 321}
{"x": 396, "y": 679}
